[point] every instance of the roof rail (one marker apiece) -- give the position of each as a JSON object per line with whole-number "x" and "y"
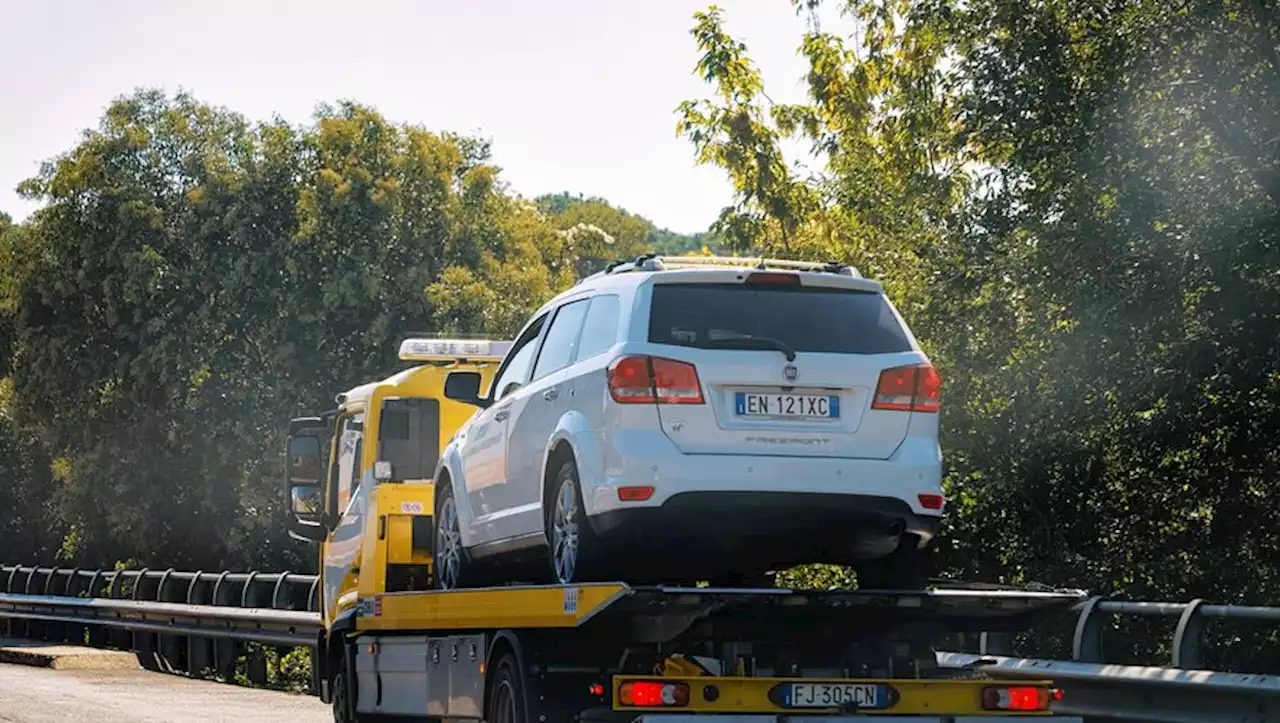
{"x": 656, "y": 262}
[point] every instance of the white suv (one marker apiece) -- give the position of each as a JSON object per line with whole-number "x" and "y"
{"x": 693, "y": 418}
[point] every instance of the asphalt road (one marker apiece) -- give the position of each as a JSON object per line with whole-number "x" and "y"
{"x": 44, "y": 695}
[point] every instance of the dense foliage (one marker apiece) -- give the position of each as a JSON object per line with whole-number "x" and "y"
{"x": 1076, "y": 204}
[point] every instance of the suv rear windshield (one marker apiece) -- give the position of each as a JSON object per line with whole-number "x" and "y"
{"x": 810, "y": 319}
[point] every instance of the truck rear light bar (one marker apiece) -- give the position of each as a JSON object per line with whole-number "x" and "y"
{"x": 1022, "y": 698}
{"x": 642, "y": 379}
{"x": 914, "y": 388}
{"x": 653, "y": 694}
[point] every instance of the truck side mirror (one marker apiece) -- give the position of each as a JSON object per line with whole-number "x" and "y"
{"x": 464, "y": 387}
{"x": 304, "y": 488}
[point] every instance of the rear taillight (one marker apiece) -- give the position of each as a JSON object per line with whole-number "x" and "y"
{"x": 653, "y": 380}
{"x": 908, "y": 389}
{"x": 1019, "y": 698}
{"x": 653, "y": 693}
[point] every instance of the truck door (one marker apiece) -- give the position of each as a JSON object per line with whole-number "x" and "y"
{"x": 348, "y": 496}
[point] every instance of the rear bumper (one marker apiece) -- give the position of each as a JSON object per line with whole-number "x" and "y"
{"x": 816, "y": 718}
{"x": 648, "y": 457}
{"x": 729, "y": 530}
{"x": 743, "y": 515}
{"x": 793, "y": 718}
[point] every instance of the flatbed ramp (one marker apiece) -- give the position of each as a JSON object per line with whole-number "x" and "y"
{"x": 611, "y": 652}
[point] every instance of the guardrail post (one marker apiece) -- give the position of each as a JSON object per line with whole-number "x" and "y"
{"x": 170, "y": 646}
{"x": 77, "y": 634}
{"x": 1188, "y": 639}
{"x": 53, "y": 631}
{"x": 255, "y": 655}
{"x": 224, "y": 651}
{"x": 1086, "y": 644}
{"x": 98, "y": 637}
{"x": 119, "y": 639}
{"x": 144, "y": 644}
{"x": 11, "y": 626}
{"x": 199, "y": 650}
{"x": 35, "y": 629}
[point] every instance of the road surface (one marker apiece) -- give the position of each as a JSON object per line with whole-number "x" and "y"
{"x": 44, "y": 695}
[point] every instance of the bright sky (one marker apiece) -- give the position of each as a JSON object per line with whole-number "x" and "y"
{"x": 577, "y": 95}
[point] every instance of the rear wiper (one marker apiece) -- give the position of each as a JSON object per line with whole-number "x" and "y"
{"x": 751, "y": 342}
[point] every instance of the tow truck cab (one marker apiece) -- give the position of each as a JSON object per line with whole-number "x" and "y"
{"x": 359, "y": 477}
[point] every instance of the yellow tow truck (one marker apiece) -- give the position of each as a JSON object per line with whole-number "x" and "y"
{"x": 358, "y": 483}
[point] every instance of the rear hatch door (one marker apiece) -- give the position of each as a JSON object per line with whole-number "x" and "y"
{"x": 840, "y": 334}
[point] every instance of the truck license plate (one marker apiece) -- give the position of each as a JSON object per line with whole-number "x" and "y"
{"x": 786, "y": 406}
{"x": 834, "y": 695}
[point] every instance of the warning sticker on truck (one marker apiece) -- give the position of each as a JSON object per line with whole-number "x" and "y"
{"x": 571, "y": 601}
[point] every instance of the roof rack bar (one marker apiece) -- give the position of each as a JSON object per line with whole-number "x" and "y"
{"x": 758, "y": 262}
{"x": 655, "y": 262}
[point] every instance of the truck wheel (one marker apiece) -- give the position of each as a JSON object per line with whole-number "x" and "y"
{"x": 506, "y": 700}
{"x": 344, "y": 692}
{"x": 572, "y": 546}
{"x": 449, "y": 571}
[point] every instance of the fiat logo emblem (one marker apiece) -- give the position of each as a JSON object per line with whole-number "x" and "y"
{"x": 790, "y": 372}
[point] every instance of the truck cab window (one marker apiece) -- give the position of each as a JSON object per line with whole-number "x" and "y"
{"x": 350, "y": 446}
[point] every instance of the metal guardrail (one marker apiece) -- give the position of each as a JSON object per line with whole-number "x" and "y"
{"x": 203, "y": 623}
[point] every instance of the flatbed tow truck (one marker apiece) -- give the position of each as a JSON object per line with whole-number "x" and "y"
{"x": 392, "y": 648}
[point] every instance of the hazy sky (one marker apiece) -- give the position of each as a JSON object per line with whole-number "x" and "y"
{"x": 577, "y": 95}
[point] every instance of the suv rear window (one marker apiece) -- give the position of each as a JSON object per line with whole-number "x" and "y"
{"x": 806, "y": 319}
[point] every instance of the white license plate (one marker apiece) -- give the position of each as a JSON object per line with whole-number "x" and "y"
{"x": 835, "y": 695}
{"x": 786, "y": 406}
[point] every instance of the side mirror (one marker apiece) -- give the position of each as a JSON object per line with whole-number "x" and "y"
{"x": 464, "y": 387}
{"x": 304, "y": 489}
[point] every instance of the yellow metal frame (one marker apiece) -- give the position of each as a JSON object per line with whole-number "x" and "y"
{"x": 751, "y": 695}
{"x": 534, "y": 606}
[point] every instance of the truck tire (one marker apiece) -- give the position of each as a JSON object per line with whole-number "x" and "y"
{"x": 572, "y": 546}
{"x": 344, "y": 691}
{"x": 450, "y": 569}
{"x": 506, "y": 701}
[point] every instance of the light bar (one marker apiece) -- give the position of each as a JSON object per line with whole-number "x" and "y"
{"x": 453, "y": 349}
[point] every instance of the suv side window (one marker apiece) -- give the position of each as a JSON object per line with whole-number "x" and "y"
{"x": 600, "y": 329}
{"x": 515, "y": 369}
{"x": 562, "y": 339}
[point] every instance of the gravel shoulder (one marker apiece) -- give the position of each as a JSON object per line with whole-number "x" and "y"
{"x": 48, "y": 695}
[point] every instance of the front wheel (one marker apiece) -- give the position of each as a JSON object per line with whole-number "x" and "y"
{"x": 449, "y": 571}
{"x": 573, "y": 547}
{"x": 344, "y": 692}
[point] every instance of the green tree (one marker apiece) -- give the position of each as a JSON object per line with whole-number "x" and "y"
{"x": 1073, "y": 203}
{"x": 194, "y": 279}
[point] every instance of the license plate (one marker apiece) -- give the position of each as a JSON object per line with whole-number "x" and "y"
{"x": 851, "y": 696}
{"x": 786, "y": 406}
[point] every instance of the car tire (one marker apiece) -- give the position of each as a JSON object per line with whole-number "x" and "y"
{"x": 450, "y": 563}
{"x": 906, "y": 568}
{"x": 572, "y": 546}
